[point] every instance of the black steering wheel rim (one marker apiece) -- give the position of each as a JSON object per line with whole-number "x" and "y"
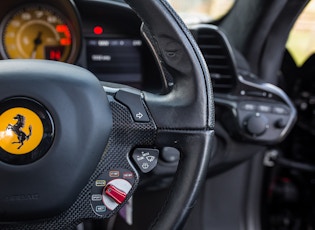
{"x": 183, "y": 118}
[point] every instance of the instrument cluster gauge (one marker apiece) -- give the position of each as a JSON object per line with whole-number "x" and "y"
{"x": 37, "y": 32}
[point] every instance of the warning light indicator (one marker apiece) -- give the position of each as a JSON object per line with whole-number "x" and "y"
{"x": 98, "y": 30}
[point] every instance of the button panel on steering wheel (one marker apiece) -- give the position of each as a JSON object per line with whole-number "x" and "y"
{"x": 111, "y": 190}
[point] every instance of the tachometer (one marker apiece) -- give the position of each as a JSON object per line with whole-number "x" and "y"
{"x": 37, "y": 32}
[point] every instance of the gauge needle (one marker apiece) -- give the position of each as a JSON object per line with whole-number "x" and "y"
{"x": 37, "y": 41}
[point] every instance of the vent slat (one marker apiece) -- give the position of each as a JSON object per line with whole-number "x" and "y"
{"x": 209, "y": 56}
{"x": 210, "y": 47}
{"x": 222, "y": 86}
{"x": 213, "y": 67}
{"x": 220, "y": 76}
{"x": 218, "y": 59}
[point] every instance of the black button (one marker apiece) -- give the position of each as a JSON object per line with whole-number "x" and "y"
{"x": 134, "y": 103}
{"x": 280, "y": 124}
{"x": 280, "y": 110}
{"x": 248, "y": 106}
{"x": 146, "y": 159}
{"x": 170, "y": 155}
{"x": 264, "y": 108}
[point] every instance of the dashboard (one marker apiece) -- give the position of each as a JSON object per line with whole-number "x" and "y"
{"x": 105, "y": 38}
{"x": 87, "y": 33}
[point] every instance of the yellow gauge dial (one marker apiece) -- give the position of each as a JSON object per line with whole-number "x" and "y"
{"x": 37, "y": 33}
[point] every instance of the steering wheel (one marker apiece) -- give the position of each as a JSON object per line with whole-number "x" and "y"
{"x": 72, "y": 149}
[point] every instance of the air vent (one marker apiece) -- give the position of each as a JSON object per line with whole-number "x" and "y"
{"x": 217, "y": 54}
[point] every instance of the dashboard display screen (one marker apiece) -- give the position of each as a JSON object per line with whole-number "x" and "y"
{"x": 115, "y": 60}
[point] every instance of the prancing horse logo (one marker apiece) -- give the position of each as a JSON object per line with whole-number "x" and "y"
{"x": 17, "y": 129}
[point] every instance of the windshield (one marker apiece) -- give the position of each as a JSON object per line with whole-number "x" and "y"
{"x": 301, "y": 43}
{"x": 200, "y": 11}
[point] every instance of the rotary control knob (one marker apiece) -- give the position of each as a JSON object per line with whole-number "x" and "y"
{"x": 115, "y": 193}
{"x": 256, "y": 124}
{"x": 110, "y": 190}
